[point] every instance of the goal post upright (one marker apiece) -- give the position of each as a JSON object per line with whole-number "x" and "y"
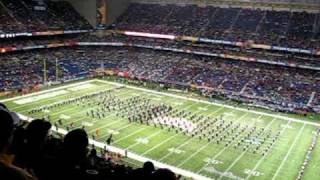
{"x": 57, "y": 70}
{"x": 44, "y": 71}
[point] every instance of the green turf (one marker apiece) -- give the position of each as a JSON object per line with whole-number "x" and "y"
{"x": 283, "y": 161}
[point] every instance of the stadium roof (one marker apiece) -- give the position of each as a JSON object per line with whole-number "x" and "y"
{"x": 209, "y": 1}
{"x": 312, "y": 5}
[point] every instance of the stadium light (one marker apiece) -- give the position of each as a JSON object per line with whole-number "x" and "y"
{"x": 162, "y": 36}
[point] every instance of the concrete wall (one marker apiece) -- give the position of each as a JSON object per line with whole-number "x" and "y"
{"x": 212, "y": 1}
{"x": 287, "y": 5}
{"x": 87, "y": 8}
{"x": 116, "y": 8}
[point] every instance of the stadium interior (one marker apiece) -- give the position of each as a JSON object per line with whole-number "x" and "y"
{"x": 159, "y": 89}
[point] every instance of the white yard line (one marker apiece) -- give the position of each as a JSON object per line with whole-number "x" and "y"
{"x": 243, "y": 153}
{"x": 124, "y": 93}
{"x": 288, "y": 153}
{"x": 168, "y": 139}
{"x": 49, "y": 90}
{"x": 124, "y": 127}
{"x": 70, "y": 96}
{"x": 170, "y": 95}
{"x": 156, "y": 146}
{"x": 261, "y": 160}
{"x": 189, "y": 106}
{"x": 67, "y": 95}
{"x": 129, "y": 135}
{"x": 74, "y": 107}
{"x": 132, "y": 155}
{"x": 181, "y": 145}
{"x": 186, "y": 142}
{"x": 221, "y": 151}
{"x": 141, "y": 129}
{"x": 106, "y": 125}
{"x": 85, "y": 117}
{"x": 59, "y": 97}
{"x": 80, "y": 119}
{"x": 60, "y": 112}
{"x": 192, "y": 155}
{"x": 157, "y": 163}
{"x": 203, "y": 147}
{"x": 217, "y": 104}
{"x": 119, "y": 119}
{"x": 148, "y": 137}
{"x": 231, "y": 165}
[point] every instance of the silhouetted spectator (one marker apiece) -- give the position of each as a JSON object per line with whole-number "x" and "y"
{"x": 148, "y": 167}
{"x": 161, "y": 174}
{"x": 15, "y": 117}
{"x": 35, "y": 138}
{"x": 93, "y": 158}
{"x": 74, "y": 152}
{"x": 7, "y": 170}
{"x": 145, "y": 172}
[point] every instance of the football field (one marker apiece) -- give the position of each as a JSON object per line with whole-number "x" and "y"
{"x": 198, "y": 138}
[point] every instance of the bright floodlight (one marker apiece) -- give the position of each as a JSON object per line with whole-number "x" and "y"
{"x": 162, "y": 36}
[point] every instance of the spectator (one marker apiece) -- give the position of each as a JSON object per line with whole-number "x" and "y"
{"x": 7, "y": 170}
{"x": 162, "y": 174}
{"x": 32, "y": 153}
{"x": 73, "y": 154}
{"x": 145, "y": 172}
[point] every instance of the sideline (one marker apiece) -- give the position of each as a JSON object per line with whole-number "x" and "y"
{"x": 170, "y": 95}
{"x": 140, "y": 157}
{"x": 213, "y": 103}
{"x": 49, "y": 90}
{"x": 131, "y": 155}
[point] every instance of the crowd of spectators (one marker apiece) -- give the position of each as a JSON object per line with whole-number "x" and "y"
{"x": 32, "y": 152}
{"x": 20, "y": 16}
{"x": 29, "y": 152}
{"x": 267, "y": 84}
{"x": 255, "y": 82}
{"x": 20, "y": 42}
{"x": 271, "y": 56}
{"x": 284, "y": 28}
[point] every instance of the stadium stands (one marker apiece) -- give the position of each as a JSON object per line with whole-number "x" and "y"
{"x": 265, "y": 84}
{"x": 282, "y": 81}
{"x": 39, "y": 155}
{"x": 249, "y": 81}
{"x": 283, "y": 28}
{"x": 19, "y": 17}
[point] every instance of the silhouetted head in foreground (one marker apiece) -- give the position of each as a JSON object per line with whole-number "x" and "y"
{"x": 6, "y": 130}
{"x": 161, "y": 174}
{"x": 37, "y": 131}
{"x": 75, "y": 145}
{"x": 7, "y": 170}
{"x": 148, "y": 167}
